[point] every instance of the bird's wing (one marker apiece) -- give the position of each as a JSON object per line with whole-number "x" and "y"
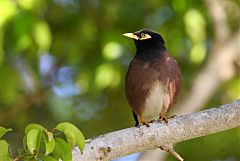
{"x": 169, "y": 75}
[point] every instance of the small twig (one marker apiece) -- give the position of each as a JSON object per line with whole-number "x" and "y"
{"x": 169, "y": 148}
{"x": 18, "y": 158}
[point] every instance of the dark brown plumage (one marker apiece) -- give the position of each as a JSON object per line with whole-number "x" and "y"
{"x": 153, "y": 79}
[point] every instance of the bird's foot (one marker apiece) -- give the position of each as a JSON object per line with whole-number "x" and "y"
{"x": 146, "y": 124}
{"x": 143, "y": 122}
{"x": 173, "y": 116}
{"x": 152, "y": 121}
{"x": 163, "y": 118}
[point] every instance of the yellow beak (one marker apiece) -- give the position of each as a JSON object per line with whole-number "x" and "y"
{"x": 131, "y": 35}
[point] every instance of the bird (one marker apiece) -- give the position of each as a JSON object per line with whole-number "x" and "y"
{"x": 153, "y": 79}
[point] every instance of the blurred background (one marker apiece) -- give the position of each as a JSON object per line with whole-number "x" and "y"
{"x": 65, "y": 60}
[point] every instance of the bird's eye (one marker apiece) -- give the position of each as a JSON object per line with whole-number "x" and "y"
{"x": 142, "y": 35}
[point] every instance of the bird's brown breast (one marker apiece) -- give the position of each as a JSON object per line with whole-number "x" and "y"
{"x": 151, "y": 82}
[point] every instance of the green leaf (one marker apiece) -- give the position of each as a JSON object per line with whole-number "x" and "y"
{"x": 8, "y": 10}
{"x": 49, "y": 142}
{"x": 47, "y": 158}
{"x": 80, "y": 139}
{"x": 3, "y": 131}
{"x": 25, "y": 142}
{"x": 34, "y": 126}
{"x": 3, "y": 150}
{"x": 71, "y": 138}
{"x": 62, "y": 150}
{"x": 42, "y": 35}
{"x": 33, "y": 140}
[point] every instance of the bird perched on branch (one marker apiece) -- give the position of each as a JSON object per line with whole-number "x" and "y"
{"x": 153, "y": 79}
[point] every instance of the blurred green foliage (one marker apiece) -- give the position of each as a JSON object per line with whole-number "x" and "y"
{"x": 65, "y": 60}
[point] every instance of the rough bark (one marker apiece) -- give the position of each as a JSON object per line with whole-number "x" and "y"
{"x": 160, "y": 134}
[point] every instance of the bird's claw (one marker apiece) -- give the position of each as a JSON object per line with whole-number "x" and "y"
{"x": 163, "y": 118}
{"x": 146, "y": 124}
{"x": 173, "y": 116}
{"x": 152, "y": 121}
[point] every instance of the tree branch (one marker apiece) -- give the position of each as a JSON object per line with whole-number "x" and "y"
{"x": 132, "y": 140}
{"x": 219, "y": 17}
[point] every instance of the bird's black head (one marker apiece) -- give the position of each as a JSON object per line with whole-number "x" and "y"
{"x": 146, "y": 38}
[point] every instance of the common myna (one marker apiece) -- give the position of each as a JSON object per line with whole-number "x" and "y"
{"x": 153, "y": 79}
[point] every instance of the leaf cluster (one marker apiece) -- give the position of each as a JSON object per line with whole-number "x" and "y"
{"x": 41, "y": 144}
